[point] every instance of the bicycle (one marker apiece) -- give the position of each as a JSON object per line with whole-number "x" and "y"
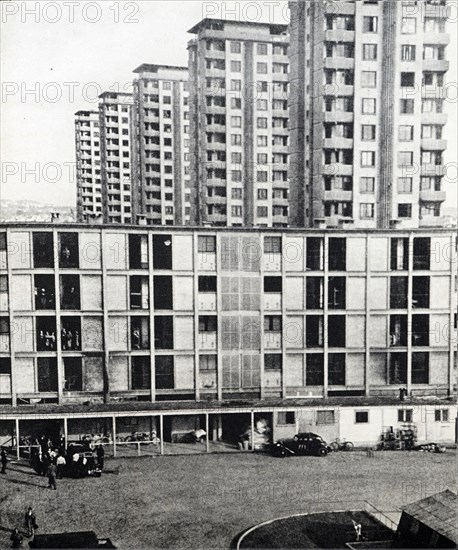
{"x": 341, "y": 445}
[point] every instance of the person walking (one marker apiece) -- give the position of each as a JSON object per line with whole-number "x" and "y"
{"x": 60, "y": 463}
{"x": 16, "y": 539}
{"x": 30, "y": 522}
{"x": 100, "y": 457}
{"x": 52, "y": 471}
{"x": 3, "y": 460}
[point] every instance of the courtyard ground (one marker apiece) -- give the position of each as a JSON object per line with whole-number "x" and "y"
{"x": 204, "y": 501}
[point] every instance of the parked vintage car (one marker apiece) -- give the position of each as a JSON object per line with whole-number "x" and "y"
{"x": 306, "y": 443}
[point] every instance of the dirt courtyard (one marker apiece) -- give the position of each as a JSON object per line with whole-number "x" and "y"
{"x": 204, "y": 501}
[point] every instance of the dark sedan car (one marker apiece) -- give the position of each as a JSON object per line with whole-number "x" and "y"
{"x": 301, "y": 444}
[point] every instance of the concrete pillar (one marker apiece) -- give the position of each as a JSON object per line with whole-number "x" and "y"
{"x": 66, "y": 431}
{"x": 113, "y": 420}
{"x": 207, "y": 429}
{"x": 252, "y": 430}
{"x": 18, "y": 456}
{"x": 161, "y": 428}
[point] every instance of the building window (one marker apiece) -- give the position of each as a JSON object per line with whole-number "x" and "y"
{"x": 139, "y": 333}
{"x": 262, "y": 211}
{"x": 272, "y": 323}
{"x": 407, "y": 80}
{"x": 368, "y": 132}
{"x": 368, "y": 79}
{"x": 337, "y": 254}
{"x": 420, "y": 330}
{"x": 46, "y": 333}
{"x": 47, "y": 374}
{"x": 163, "y": 292}
{"x": 405, "y": 185}
{"x": 73, "y": 374}
{"x": 208, "y": 363}
{"x": 162, "y": 251}
{"x": 420, "y": 367}
{"x": 236, "y": 66}
{"x": 164, "y": 372}
{"x": 43, "y": 250}
{"x": 141, "y": 373}
{"x": 314, "y": 292}
{"x": 370, "y": 24}
{"x": 398, "y": 292}
{"x": 398, "y": 330}
{"x": 315, "y": 253}
{"x": 398, "y": 368}
{"x": 44, "y": 291}
{"x": 236, "y": 175}
{"x": 404, "y": 210}
{"x": 261, "y": 104}
{"x": 336, "y": 331}
{"x": 236, "y": 121}
{"x": 71, "y": 333}
{"x": 314, "y": 370}
{"x": 336, "y": 293}
{"x": 361, "y": 417}
{"x": 325, "y": 417}
{"x": 236, "y": 47}
{"x": 407, "y": 106}
{"x": 367, "y": 158}
{"x": 368, "y": 106}
{"x": 366, "y": 210}
{"x": 369, "y": 52}
{"x": 262, "y": 122}
{"x": 421, "y": 252}
{"x": 420, "y": 292}
{"x": 408, "y": 25}
{"x": 138, "y": 251}
{"x": 273, "y": 361}
{"x": 236, "y": 139}
{"x": 399, "y": 254}
{"x": 272, "y": 245}
{"x": 261, "y": 49}
{"x": 285, "y": 418}
{"x": 206, "y": 244}
{"x": 441, "y": 415}
{"x": 314, "y": 335}
{"x": 163, "y": 332}
{"x": 408, "y": 52}
{"x": 261, "y": 68}
{"x": 405, "y": 415}
{"x": 405, "y": 133}
{"x": 367, "y": 185}
{"x": 272, "y": 284}
{"x": 336, "y": 369}
{"x": 207, "y": 283}
{"x": 262, "y": 193}
{"x": 68, "y": 250}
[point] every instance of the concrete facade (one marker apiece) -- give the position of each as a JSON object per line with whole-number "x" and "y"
{"x": 368, "y": 112}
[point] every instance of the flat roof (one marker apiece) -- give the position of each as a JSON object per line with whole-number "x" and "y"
{"x": 151, "y": 68}
{"x": 203, "y": 23}
{"x": 199, "y": 407}
{"x": 218, "y": 229}
{"x": 86, "y": 113}
{"x": 115, "y": 94}
{"x": 438, "y": 512}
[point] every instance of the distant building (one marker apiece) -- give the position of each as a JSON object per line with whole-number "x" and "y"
{"x": 88, "y": 177}
{"x": 238, "y": 85}
{"x": 429, "y": 523}
{"x": 161, "y": 134}
{"x": 116, "y": 129}
{"x": 367, "y": 112}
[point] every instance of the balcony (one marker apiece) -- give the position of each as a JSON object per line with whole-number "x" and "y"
{"x": 339, "y": 35}
{"x": 340, "y": 63}
{"x": 338, "y": 116}
{"x": 434, "y": 144}
{"x": 438, "y": 38}
{"x": 340, "y": 8}
{"x": 338, "y": 169}
{"x": 338, "y": 195}
{"x": 433, "y": 170}
{"x": 337, "y": 89}
{"x": 207, "y": 301}
{"x": 439, "y": 65}
{"x": 272, "y": 301}
{"x": 272, "y": 340}
{"x": 338, "y": 143}
{"x": 432, "y": 196}
{"x": 434, "y": 118}
{"x": 207, "y": 340}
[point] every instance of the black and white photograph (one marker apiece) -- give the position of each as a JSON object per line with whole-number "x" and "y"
{"x": 228, "y": 274}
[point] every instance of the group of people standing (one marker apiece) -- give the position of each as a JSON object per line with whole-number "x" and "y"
{"x": 30, "y": 525}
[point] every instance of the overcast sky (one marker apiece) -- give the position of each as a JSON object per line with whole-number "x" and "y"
{"x": 56, "y": 60}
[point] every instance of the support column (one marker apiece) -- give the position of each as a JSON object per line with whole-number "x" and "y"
{"x": 367, "y": 354}
{"x": 113, "y": 420}
{"x": 66, "y": 431}
{"x": 252, "y": 431}
{"x": 161, "y": 427}
{"x": 18, "y": 456}
{"x": 207, "y": 429}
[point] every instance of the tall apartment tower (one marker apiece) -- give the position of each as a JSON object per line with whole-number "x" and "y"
{"x": 238, "y": 86}
{"x": 367, "y": 112}
{"x": 88, "y": 183}
{"x": 161, "y": 117}
{"x": 116, "y": 128}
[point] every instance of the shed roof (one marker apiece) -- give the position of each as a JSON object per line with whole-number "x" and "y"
{"x": 438, "y": 512}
